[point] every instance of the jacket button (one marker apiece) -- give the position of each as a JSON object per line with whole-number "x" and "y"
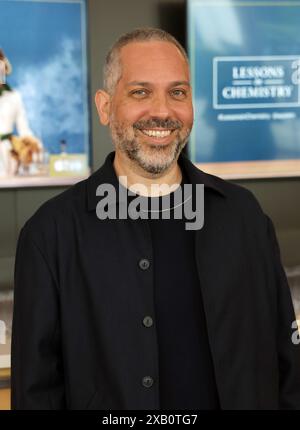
{"x": 148, "y": 321}
{"x": 144, "y": 264}
{"x": 147, "y": 381}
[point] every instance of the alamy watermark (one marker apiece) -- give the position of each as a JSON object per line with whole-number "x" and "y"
{"x": 187, "y": 202}
{"x": 2, "y": 72}
{"x": 2, "y": 333}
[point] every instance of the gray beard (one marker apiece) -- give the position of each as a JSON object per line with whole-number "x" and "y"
{"x": 156, "y": 164}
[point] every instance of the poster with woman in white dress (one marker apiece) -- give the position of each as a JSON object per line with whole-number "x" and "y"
{"x": 44, "y": 115}
{"x": 13, "y": 115}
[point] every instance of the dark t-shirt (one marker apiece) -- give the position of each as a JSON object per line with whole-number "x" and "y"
{"x": 186, "y": 375}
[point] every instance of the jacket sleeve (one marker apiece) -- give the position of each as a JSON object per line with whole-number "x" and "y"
{"x": 288, "y": 343}
{"x": 37, "y": 372}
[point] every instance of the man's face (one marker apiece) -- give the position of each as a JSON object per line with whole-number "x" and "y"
{"x": 151, "y": 112}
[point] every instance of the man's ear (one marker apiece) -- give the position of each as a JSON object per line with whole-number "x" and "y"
{"x": 102, "y": 100}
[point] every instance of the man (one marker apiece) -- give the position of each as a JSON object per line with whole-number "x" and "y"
{"x": 140, "y": 312}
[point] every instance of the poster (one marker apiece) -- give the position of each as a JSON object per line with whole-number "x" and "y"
{"x": 245, "y": 66}
{"x": 44, "y": 118}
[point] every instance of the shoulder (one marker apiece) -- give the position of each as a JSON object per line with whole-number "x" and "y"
{"x": 58, "y": 210}
{"x": 238, "y": 201}
{"x": 12, "y": 94}
{"x": 233, "y": 196}
{"x": 12, "y": 97}
{"x": 235, "y": 192}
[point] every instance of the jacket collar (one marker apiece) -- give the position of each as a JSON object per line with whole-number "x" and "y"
{"x": 106, "y": 174}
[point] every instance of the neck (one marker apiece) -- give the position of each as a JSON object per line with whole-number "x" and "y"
{"x": 145, "y": 183}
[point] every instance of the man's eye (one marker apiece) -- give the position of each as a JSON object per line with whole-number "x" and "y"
{"x": 178, "y": 93}
{"x": 139, "y": 93}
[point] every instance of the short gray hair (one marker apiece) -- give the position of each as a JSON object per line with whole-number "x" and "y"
{"x": 113, "y": 69}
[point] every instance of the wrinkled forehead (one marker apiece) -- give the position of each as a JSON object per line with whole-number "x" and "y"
{"x": 153, "y": 59}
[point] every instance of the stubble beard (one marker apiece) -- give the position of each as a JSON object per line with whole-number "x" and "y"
{"x": 154, "y": 159}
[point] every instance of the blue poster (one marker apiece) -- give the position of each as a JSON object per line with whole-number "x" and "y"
{"x": 245, "y": 66}
{"x": 44, "y": 119}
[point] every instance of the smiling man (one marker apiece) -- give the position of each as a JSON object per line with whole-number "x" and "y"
{"x": 140, "y": 312}
{"x": 148, "y": 105}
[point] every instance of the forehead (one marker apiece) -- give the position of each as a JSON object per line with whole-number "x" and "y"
{"x": 146, "y": 61}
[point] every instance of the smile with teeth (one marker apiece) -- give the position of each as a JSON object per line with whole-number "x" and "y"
{"x": 157, "y": 133}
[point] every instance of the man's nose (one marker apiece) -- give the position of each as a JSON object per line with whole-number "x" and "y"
{"x": 160, "y": 106}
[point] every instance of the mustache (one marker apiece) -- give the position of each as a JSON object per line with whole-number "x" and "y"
{"x": 157, "y": 122}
